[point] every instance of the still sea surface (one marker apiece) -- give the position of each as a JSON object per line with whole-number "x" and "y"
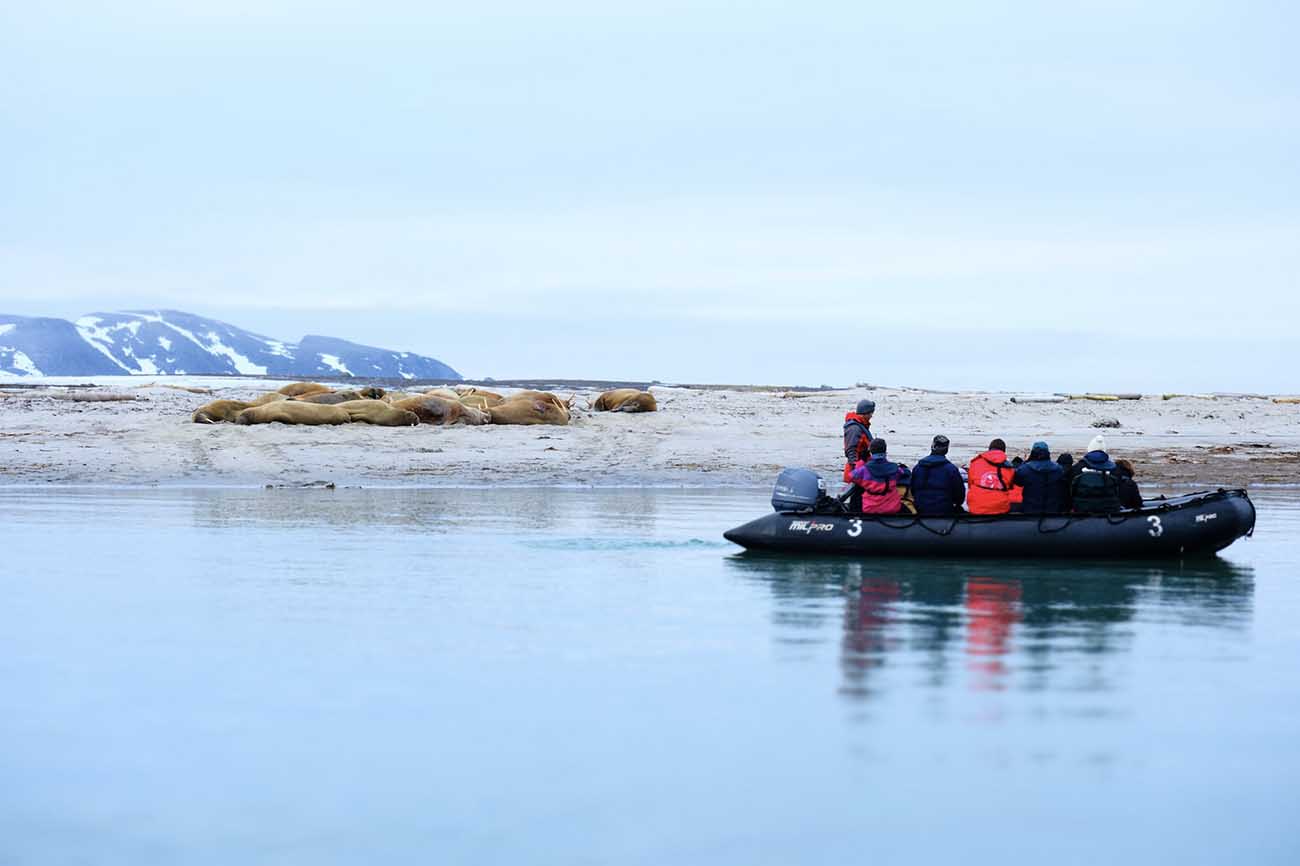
{"x": 505, "y": 676}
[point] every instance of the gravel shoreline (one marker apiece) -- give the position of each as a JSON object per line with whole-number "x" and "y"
{"x": 701, "y": 437}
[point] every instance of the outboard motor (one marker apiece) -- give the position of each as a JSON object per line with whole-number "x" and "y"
{"x": 798, "y": 490}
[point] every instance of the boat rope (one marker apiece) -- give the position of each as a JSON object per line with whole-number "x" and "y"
{"x": 1160, "y": 505}
{"x": 1069, "y": 519}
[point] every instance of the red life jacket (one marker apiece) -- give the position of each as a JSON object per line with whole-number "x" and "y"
{"x": 864, "y": 444}
{"x": 991, "y": 488}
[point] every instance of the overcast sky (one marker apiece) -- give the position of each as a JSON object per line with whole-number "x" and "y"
{"x": 1019, "y": 195}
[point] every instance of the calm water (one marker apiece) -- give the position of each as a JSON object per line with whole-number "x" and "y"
{"x": 242, "y": 677}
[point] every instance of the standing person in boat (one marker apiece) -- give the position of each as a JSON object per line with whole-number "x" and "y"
{"x": 1129, "y": 494}
{"x": 992, "y": 481}
{"x": 937, "y": 487}
{"x": 881, "y": 481}
{"x": 1095, "y": 481}
{"x": 1042, "y": 482}
{"x": 857, "y": 439}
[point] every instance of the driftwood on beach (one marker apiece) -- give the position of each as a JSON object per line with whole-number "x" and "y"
{"x": 73, "y": 396}
{"x": 83, "y": 397}
{"x": 190, "y": 389}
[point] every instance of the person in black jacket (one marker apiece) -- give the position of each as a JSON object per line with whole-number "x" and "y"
{"x": 1066, "y": 461}
{"x": 1129, "y": 494}
{"x": 1094, "y": 481}
{"x": 1043, "y": 480}
{"x": 937, "y": 487}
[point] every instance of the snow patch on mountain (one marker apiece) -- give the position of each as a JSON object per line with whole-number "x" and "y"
{"x": 333, "y": 362}
{"x": 101, "y": 338}
{"x": 275, "y": 347}
{"x": 24, "y": 364}
{"x": 242, "y": 364}
{"x": 17, "y": 360}
{"x": 167, "y": 342}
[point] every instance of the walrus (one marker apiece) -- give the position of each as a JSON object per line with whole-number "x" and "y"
{"x": 268, "y": 397}
{"x": 565, "y": 406}
{"x": 378, "y": 412}
{"x": 540, "y": 395}
{"x": 463, "y": 391}
{"x": 530, "y": 410}
{"x": 625, "y": 400}
{"x": 293, "y": 412}
{"x": 481, "y": 401}
{"x": 219, "y": 411}
{"x": 329, "y": 398}
{"x": 433, "y": 409}
{"x": 445, "y": 393}
{"x": 473, "y": 415}
{"x": 298, "y": 389}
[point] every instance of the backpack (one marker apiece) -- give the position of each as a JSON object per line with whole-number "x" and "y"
{"x": 1096, "y": 491}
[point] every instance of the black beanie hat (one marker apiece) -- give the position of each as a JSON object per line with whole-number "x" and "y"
{"x": 877, "y": 446}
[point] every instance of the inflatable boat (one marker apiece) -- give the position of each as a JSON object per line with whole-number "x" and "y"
{"x": 1197, "y": 524}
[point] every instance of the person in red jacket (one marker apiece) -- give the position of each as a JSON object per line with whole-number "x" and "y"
{"x": 857, "y": 439}
{"x": 992, "y": 481}
{"x": 857, "y": 436}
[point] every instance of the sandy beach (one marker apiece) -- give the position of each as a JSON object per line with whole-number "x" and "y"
{"x": 699, "y": 437}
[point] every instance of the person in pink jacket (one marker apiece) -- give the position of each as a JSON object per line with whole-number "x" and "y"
{"x": 881, "y": 481}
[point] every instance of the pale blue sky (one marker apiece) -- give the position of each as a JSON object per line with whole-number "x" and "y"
{"x": 998, "y": 194}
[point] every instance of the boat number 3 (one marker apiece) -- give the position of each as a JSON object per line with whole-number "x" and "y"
{"x": 1156, "y": 529}
{"x": 855, "y": 529}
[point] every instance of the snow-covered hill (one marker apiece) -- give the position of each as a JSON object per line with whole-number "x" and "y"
{"x": 161, "y": 342}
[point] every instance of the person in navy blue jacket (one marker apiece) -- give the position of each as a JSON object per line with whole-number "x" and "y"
{"x": 1043, "y": 479}
{"x": 937, "y": 487}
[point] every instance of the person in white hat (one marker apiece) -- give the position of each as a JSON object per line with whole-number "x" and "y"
{"x": 1095, "y": 481}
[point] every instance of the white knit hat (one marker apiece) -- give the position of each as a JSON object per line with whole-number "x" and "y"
{"x": 1098, "y": 443}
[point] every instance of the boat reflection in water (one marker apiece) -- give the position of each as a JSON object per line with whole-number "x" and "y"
{"x": 988, "y": 625}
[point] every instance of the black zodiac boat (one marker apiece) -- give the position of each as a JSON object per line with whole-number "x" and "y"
{"x": 806, "y": 521}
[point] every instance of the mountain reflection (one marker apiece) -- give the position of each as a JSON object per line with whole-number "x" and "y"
{"x": 997, "y": 624}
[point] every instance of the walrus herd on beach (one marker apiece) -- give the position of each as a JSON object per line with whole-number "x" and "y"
{"x": 311, "y": 403}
